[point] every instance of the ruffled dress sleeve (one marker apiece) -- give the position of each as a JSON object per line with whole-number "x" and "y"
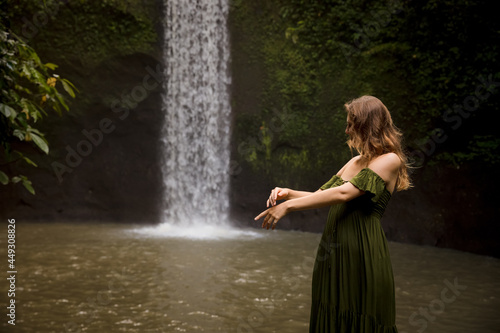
{"x": 330, "y": 183}
{"x": 369, "y": 182}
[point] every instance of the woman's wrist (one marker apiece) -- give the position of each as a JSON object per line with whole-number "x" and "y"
{"x": 288, "y": 192}
{"x": 289, "y": 205}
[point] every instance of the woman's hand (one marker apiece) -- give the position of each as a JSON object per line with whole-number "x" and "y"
{"x": 277, "y": 194}
{"x": 273, "y": 215}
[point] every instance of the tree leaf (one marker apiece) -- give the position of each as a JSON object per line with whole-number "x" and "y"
{"x": 34, "y": 56}
{"x": 34, "y": 130}
{"x": 40, "y": 143}
{"x": 20, "y": 135}
{"x": 37, "y": 77}
{"x": 28, "y": 186}
{"x": 71, "y": 84}
{"x": 33, "y": 111}
{"x": 16, "y": 179}
{"x": 25, "y": 71}
{"x": 7, "y": 111}
{"x": 61, "y": 101}
{"x": 30, "y": 161}
{"x": 68, "y": 89}
{"x": 51, "y": 66}
{"x": 4, "y": 179}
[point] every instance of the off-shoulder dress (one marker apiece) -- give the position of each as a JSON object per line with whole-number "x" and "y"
{"x": 353, "y": 282}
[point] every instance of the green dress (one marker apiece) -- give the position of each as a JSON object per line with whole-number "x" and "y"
{"x": 353, "y": 283}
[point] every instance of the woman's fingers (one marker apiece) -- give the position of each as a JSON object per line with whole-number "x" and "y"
{"x": 267, "y": 218}
{"x": 273, "y": 214}
{"x": 264, "y": 223}
{"x": 261, "y": 214}
{"x": 274, "y": 196}
{"x": 271, "y": 218}
{"x": 271, "y": 200}
{"x": 268, "y": 221}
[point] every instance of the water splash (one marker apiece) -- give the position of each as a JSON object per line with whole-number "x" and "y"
{"x": 197, "y": 110}
{"x": 198, "y": 231}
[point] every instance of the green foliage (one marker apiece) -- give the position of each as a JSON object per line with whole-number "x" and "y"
{"x": 85, "y": 33}
{"x": 421, "y": 58}
{"x": 27, "y": 91}
{"x": 80, "y": 36}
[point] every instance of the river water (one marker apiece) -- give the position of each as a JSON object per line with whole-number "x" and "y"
{"x": 123, "y": 278}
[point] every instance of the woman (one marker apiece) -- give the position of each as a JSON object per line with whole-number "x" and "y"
{"x": 353, "y": 283}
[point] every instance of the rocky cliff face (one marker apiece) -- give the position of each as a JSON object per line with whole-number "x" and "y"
{"x": 104, "y": 163}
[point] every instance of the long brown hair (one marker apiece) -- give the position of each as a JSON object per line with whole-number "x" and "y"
{"x": 372, "y": 133}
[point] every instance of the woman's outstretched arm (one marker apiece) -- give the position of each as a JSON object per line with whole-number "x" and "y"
{"x": 386, "y": 166}
{"x": 314, "y": 200}
{"x": 279, "y": 193}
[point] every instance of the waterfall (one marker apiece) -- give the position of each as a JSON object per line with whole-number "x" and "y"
{"x": 197, "y": 112}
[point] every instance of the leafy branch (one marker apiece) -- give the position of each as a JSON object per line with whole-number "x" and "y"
{"x": 27, "y": 92}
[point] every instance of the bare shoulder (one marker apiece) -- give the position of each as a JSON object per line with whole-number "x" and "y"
{"x": 390, "y": 160}
{"x": 386, "y": 166}
{"x": 350, "y": 162}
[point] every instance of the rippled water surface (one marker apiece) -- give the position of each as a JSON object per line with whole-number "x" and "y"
{"x": 114, "y": 278}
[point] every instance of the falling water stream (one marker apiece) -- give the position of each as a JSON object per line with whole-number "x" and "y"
{"x": 197, "y": 109}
